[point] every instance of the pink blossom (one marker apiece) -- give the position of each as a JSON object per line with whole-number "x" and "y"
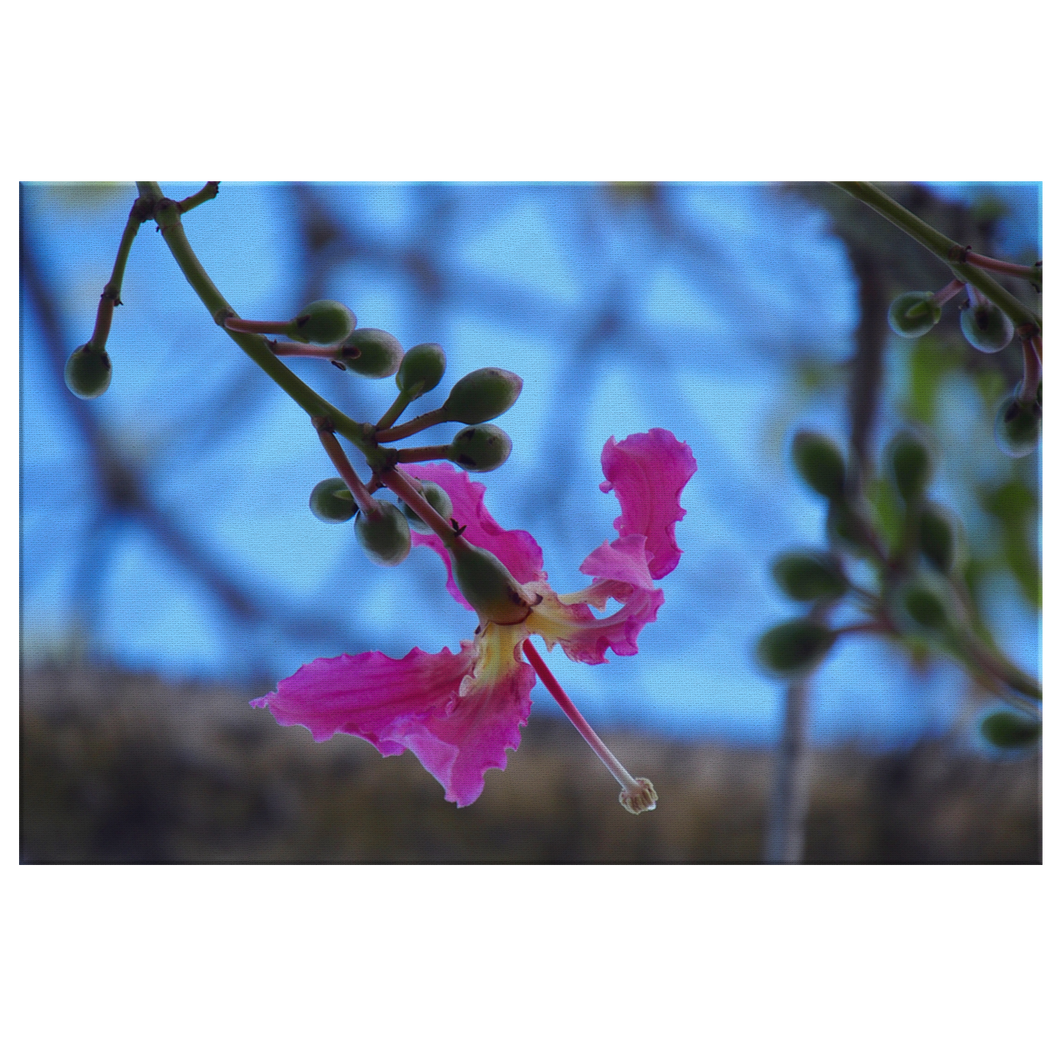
{"x": 460, "y": 713}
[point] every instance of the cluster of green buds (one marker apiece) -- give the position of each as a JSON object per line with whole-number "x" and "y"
{"x": 987, "y": 328}
{"x": 327, "y": 330}
{"x": 914, "y": 548}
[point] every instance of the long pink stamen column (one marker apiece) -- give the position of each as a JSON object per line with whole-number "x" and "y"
{"x": 638, "y": 794}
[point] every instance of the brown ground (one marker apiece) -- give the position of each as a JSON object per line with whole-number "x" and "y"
{"x": 124, "y": 768}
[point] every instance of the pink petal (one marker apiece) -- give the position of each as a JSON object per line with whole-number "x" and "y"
{"x": 648, "y": 473}
{"x": 584, "y": 637}
{"x": 413, "y": 703}
{"x": 622, "y": 561}
{"x": 516, "y": 549}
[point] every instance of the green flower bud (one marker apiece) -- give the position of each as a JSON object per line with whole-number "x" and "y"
{"x": 480, "y": 448}
{"x": 938, "y": 539}
{"x": 488, "y": 586}
{"x": 845, "y": 528}
{"x": 914, "y": 314}
{"x": 323, "y": 322}
{"x": 1018, "y": 426}
{"x": 926, "y": 606}
{"x": 88, "y": 371}
{"x": 986, "y": 327}
{"x": 371, "y": 352}
{"x": 1011, "y": 732}
{"x": 437, "y": 498}
{"x": 386, "y": 538}
{"x": 482, "y": 395}
{"x": 422, "y": 366}
{"x": 332, "y": 502}
{"x": 807, "y": 575}
{"x": 910, "y": 464}
{"x": 820, "y": 463}
{"x": 794, "y": 648}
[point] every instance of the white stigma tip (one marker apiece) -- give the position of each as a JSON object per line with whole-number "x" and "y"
{"x": 640, "y": 797}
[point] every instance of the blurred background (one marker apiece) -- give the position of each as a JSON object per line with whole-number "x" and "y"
{"x": 171, "y": 569}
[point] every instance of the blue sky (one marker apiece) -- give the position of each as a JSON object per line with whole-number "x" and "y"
{"x": 705, "y": 338}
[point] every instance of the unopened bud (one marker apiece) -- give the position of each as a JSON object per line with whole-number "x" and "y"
{"x": 937, "y": 538}
{"x": 482, "y": 395}
{"x": 332, "y": 502}
{"x": 914, "y": 314}
{"x": 1010, "y": 732}
{"x": 925, "y": 605}
{"x": 323, "y": 322}
{"x": 820, "y": 463}
{"x": 88, "y": 371}
{"x": 488, "y": 586}
{"x": 422, "y": 366}
{"x": 371, "y": 352}
{"x": 807, "y": 575}
{"x": 386, "y": 536}
{"x": 1017, "y": 426}
{"x": 437, "y": 498}
{"x": 910, "y": 464}
{"x": 480, "y": 448}
{"x": 794, "y": 648}
{"x": 986, "y": 327}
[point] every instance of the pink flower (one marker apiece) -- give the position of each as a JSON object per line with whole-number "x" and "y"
{"x": 460, "y": 713}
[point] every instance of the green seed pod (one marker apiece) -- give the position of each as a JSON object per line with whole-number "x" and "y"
{"x": 482, "y": 395}
{"x": 820, "y": 463}
{"x": 371, "y": 352}
{"x": 807, "y": 575}
{"x": 794, "y": 648}
{"x": 986, "y": 327}
{"x": 88, "y": 371}
{"x": 422, "y": 366}
{"x": 480, "y": 448}
{"x": 437, "y": 498}
{"x": 914, "y": 314}
{"x": 910, "y": 464}
{"x": 386, "y": 538}
{"x": 332, "y": 502}
{"x": 323, "y": 322}
{"x": 1011, "y": 732}
{"x": 938, "y": 539}
{"x": 488, "y": 586}
{"x": 1017, "y": 426}
{"x": 925, "y": 604}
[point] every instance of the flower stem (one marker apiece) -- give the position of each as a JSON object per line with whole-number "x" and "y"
{"x": 420, "y": 423}
{"x": 167, "y": 216}
{"x": 1009, "y": 268}
{"x": 365, "y": 501}
{"x": 404, "y": 487}
{"x": 205, "y": 194}
{"x": 111, "y": 296}
{"x": 423, "y": 452}
{"x": 1032, "y": 370}
{"x": 944, "y": 248}
{"x": 951, "y": 290}
{"x": 637, "y": 794}
{"x": 401, "y": 402}
{"x": 257, "y": 327}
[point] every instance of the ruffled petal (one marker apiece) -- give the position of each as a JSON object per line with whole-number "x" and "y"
{"x": 456, "y": 723}
{"x": 567, "y": 619}
{"x": 623, "y": 561}
{"x": 648, "y": 473}
{"x": 516, "y": 549}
